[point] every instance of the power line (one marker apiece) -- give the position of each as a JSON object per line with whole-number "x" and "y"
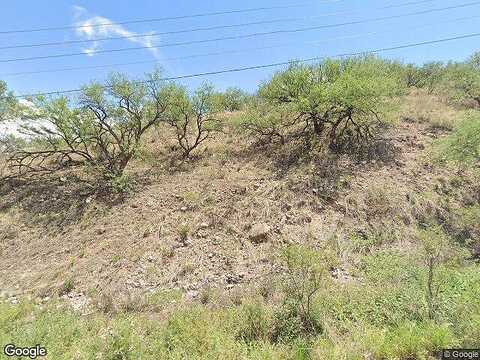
{"x": 255, "y": 67}
{"x": 229, "y": 52}
{"x": 180, "y": 17}
{"x": 209, "y": 28}
{"x": 244, "y": 36}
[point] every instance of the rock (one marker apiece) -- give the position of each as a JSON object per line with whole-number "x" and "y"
{"x": 287, "y": 207}
{"x": 203, "y": 225}
{"x": 13, "y": 300}
{"x": 232, "y": 279}
{"x": 183, "y": 208}
{"x": 192, "y": 294}
{"x": 259, "y": 232}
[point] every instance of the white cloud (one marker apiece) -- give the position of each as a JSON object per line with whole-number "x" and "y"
{"x": 94, "y": 27}
{"x": 78, "y": 11}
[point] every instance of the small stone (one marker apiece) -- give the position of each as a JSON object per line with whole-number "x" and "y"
{"x": 259, "y": 232}
{"x": 192, "y": 294}
{"x": 203, "y": 225}
{"x": 183, "y": 208}
{"x": 210, "y": 255}
{"x": 13, "y": 300}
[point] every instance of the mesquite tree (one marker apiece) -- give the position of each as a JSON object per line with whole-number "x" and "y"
{"x": 462, "y": 83}
{"x": 7, "y": 102}
{"x": 102, "y": 128}
{"x": 335, "y": 99}
{"x": 192, "y": 116}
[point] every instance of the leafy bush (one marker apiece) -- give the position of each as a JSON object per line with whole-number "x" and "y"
{"x": 102, "y": 129}
{"x": 233, "y": 99}
{"x": 427, "y": 76}
{"x": 434, "y": 245}
{"x": 192, "y": 117}
{"x": 264, "y": 121}
{"x": 253, "y": 323}
{"x": 307, "y": 273}
{"x": 463, "y": 145}
{"x": 339, "y": 100}
{"x": 7, "y": 102}
{"x": 461, "y": 84}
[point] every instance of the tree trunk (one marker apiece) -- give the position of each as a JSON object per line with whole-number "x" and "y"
{"x": 318, "y": 126}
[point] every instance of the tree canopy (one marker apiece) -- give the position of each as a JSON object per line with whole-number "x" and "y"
{"x": 7, "y": 102}
{"x": 335, "y": 98}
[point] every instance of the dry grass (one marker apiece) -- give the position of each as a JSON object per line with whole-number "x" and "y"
{"x": 187, "y": 225}
{"x": 419, "y": 106}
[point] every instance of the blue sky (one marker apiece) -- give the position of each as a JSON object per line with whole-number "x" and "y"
{"x": 22, "y": 14}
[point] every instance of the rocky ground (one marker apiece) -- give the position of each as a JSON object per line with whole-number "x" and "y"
{"x": 215, "y": 223}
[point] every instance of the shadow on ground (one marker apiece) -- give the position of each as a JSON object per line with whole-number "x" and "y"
{"x": 58, "y": 200}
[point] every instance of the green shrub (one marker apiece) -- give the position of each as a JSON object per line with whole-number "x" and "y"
{"x": 233, "y": 99}
{"x": 67, "y": 286}
{"x": 8, "y": 102}
{"x": 122, "y": 184}
{"x": 253, "y": 323}
{"x": 414, "y": 341}
{"x": 435, "y": 246}
{"x": 307, "y": 273}
{"x": 340, "y": 101}
{"x": 192, "y": 116}
{"x": 463, "y": 145}
{"x": 461, "y": 83}
{"x": 103, "y": 129}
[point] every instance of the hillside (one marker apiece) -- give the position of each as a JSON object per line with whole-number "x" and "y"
{"x": 207, "y": 233}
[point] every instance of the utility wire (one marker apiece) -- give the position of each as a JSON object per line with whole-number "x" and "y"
{"x": 264, "y": 66}
{"x": 244, "y": 36}
{"x": 229, "y": 52}
{"x": 137, "y": 21}
{"x": 209, "y": 28}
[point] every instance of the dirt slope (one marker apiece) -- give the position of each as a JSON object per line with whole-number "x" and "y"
{"x": 216, "y": 222}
